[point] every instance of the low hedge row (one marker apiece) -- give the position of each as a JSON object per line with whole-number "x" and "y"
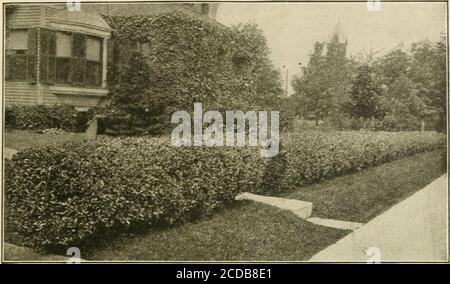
{"x": 67, "y": 194}
{"x": 37, "y": 117}
{"x": 323, "y": 155}
{"x": 63, "y": 195}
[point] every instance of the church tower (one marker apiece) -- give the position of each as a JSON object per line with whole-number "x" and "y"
{"x": 339, "y": 34}
{"x": 337, "y": 42}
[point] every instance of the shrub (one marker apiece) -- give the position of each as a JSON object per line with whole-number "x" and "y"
{"x": 63, "y": 195}
{"x": 318, "y": 155}
{"x": 116, "y": 122}
{"x": 70, "y": 193}
{"x": 36, "y": 117}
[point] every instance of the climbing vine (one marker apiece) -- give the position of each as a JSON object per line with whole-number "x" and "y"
{"x": 167, "y": 62}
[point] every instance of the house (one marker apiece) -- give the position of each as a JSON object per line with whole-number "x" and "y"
{"x": 58, "y": 54}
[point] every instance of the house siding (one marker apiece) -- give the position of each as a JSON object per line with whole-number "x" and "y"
{"x": 21, "y": 93}
{"x": 50, "y": 10}
{"x": 24, "y": 16}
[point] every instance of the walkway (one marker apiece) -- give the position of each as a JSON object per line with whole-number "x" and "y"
{"x": 413, "y": 230}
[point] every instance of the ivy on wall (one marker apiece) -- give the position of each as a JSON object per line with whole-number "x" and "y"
{"x": 167, "y": 62}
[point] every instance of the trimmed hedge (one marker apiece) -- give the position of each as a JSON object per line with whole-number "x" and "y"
{"x": 63, "y": 195}
{"x": 67, "y": 194}
{"x": 37, "y": 117}
{"x": 324, "y": 155}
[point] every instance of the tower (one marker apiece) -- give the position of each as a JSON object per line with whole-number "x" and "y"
{"x": 339, "y": 34}
{"x": 337, "y": 43}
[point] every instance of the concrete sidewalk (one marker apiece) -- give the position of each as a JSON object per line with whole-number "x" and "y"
{"x": 413, "y": 230}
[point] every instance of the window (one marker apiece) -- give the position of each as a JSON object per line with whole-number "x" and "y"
{"x": 17, "y": 42}
{"x": 94, "y": 62}
{"x": 63, "y": 44}
{"x": 20, "y": 47}
{"x": 77, "y": 58}
{"x": 63, "y": 57}
{"x": 93, "y": 49}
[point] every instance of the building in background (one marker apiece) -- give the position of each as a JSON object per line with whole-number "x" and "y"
{"x": 59, "y": 56}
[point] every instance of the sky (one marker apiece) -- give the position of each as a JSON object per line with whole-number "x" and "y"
{"x": 292, "y": 28}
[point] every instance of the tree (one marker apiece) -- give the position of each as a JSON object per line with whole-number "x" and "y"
{"x": 365, "y": 95}
{"x": 323, "y": 87}
{"x": 428, "y": 71}
{"x": 414, "y": 85}
{"x": 267, "y": 79}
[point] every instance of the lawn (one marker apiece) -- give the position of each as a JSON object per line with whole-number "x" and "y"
{"x": 257, "y": 232}
{"x": 19, "y": 139}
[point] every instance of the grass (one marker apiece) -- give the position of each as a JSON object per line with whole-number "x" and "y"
{"x": 257, "y": 232}
{"x": 360, "y": 197}
{"x": 17, "y": 253}
{"x": 246, "y": 232}
{"x": 20, "y": 139}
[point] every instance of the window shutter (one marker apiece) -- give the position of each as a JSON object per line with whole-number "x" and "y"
{"x": 47, "y": 56}
{"x": 52, "y": 57}
{"x": 32, "y": 55}
{"x": 79, "y": 60}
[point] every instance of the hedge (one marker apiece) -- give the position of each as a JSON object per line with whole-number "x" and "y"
{"x": 63, "y": 195}
{"x": 70, "y": 193}
{"x": 37, "y": 117}
{"x": 324, "y": 155}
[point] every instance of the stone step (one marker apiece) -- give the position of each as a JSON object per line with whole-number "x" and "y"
{"x": 302, "y": 209}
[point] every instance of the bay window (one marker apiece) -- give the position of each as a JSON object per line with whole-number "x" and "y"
{"x": 70, "y": 58}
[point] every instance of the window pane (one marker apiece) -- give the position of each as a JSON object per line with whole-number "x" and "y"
{"x": 79, "y": 45}
{"x": 63, "y": 44}
{"x": 17, "y": 67}
{"x": 63, "y": 67}
{"x": 93, "y": 73}
{"x": 32, "y": 64}
{"x": 17, "y": 39}
{"x": 93, "y": 49}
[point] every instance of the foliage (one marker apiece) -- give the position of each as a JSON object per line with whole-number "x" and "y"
{"x": 403, "y": 89}
{"x": 243, "y": 232}
{"x": 167, "y": 62}
{"x": 70, "y": 193}
{"x": 413, "y": 86}
{"x": 77, "y": 190}
{"x": 323, "y": 155}
{"x": 36, "y": 117}
{"x": 365, "y": 95}
{"x": 326, "y": 81}
{"x": 268, "y": 82}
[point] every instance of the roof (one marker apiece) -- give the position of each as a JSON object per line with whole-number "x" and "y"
{"x": 80, "y": 18}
